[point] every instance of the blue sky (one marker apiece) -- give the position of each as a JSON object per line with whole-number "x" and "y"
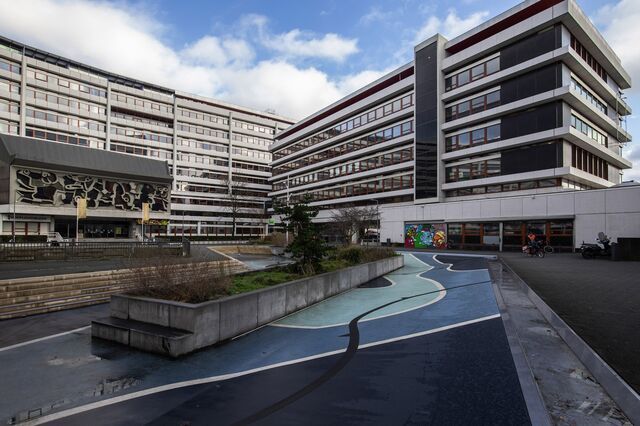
{"x": 292, "y": 57}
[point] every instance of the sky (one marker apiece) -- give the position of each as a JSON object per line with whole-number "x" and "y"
{"x": 289, "y": 57}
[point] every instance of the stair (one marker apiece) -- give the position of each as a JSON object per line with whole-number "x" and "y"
{"x": 36, "y": 295}
{"x": 142, "y": 335}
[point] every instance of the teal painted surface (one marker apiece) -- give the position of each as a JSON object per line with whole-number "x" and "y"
{"x": 340, "y": 309}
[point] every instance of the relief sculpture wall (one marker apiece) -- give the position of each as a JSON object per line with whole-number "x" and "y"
{"x": 42, "y": 187}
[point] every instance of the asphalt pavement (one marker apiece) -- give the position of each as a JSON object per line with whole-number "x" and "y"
{"x": 599, "y": 299}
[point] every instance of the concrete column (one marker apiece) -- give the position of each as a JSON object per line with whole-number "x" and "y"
{"x": 175, "y": 141}
{"x": 230, "y": 174}
{"x": 107, "y": 145}
{"x": 23, "y": 89}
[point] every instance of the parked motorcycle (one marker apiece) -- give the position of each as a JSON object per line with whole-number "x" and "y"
{"x": 601, "y": 248}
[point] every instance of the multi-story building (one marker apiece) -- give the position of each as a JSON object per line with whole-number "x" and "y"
{"x": 483, "y": 138}
{"x": 212, "y": 148}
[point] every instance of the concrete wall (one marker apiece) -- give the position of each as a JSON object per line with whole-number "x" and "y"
{"x": 210, "y": 322}
{"x": 614, "y": 211}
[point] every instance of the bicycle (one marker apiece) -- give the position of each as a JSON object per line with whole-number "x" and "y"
{"x": 547, "y": 248}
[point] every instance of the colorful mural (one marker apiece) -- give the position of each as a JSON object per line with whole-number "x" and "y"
{"x": 425, "y": 236}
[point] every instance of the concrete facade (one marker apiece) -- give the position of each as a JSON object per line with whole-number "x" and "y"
{"x": 509, "y": 120}
{"x": 212, "y": 147}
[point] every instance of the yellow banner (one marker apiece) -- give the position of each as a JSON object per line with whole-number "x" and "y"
{"x": 81, "y": 208}
{"x": 146, "y": 208}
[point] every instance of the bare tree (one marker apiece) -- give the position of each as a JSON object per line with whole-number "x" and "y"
{"x": 351, "y": 221}
{"x": 234, "y": 200}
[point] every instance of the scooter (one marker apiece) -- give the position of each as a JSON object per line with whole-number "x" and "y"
{"x": 601, "y": 248}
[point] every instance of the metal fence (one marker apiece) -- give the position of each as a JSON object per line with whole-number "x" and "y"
{"x": 90, "y": 250}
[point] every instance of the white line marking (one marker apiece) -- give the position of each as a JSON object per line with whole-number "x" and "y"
{"x": 178, "y": 385}
{"x": 17, "y": 345}
{"x": 451, "y": 264}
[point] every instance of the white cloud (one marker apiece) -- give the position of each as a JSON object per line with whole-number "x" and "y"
{"x": 295, "y": 43}
{"x": 452, "y": 25}
{"x": 212, "y": 51}
{"x": 375, "y": 14}
{"x": 618, "y": 23}
{"x": 128, "y": 41}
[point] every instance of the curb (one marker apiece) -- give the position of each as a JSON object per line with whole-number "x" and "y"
{"x": 538, "y": 413}
{"x": 618, "y": 389}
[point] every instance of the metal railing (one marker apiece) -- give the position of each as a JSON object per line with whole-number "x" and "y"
{"x": 69, "y": 250}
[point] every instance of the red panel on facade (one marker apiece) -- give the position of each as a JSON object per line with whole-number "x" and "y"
{"x": 502, "y": 25}
{"x": 372, "y": 90}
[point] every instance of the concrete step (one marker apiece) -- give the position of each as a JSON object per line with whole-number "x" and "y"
{"x": 35, "y": 290}
{"x": 29, "y": 283}
{"x": 18, "y": 307}
{"x": 43, "y": 310}
{"x": 58, "y": 293}
{"x": 141, "y": 335}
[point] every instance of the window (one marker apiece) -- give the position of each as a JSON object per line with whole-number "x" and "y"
{"x": 586, "y": 94}
{"x": 475, "y": 73}
{"x": 389, "y": 108}
{"x": 586, "y": 56}
{"x": 472, "y": 106}
{"x": 475, "y": 137}
{"x": 589, "y": 130}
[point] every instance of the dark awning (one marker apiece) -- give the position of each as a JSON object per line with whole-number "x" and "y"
{"x": 36, "y": 153}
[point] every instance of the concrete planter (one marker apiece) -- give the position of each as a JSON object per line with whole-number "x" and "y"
{"x": 175, "y": 328}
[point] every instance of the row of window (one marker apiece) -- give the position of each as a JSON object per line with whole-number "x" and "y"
{"x": 251, "y": 153}
{"x": 372, "y": 163}
{"x": 472, "y": 106}
{"x": 64, "y": 138}
{"x": 253, "y": 127}
{"x": 202, "y": 145}
{"x": 8, "y": 106}
{"x": 209, "y": 189}
{"x": 586, "y": 56}
{"x": 142, "y": 119}
{"x": 201, "y": 159}
{"x": 148, "y": 152}
{"x": 475, "y": 170}
{"x": 381, "y": 184}
{"x": 210, "y": 202}
{"x": 251, "y": 139}
{"x": 9, "y": 86}
{"x": 199, "y": 173}
{"x": 141, "y": 134}
{"x": 505, "y": 187}
{"x": 143, "y": 103}
{"x": 387, "y": 109}
{"x": 69, "y": 84}
{"x": 473, "y": 138}
{"x": 249, "y": 179}
{"x": 9, "y": 66}
{"x": 350, "y": 146}
{"x": 203, "y": 116}
{"x": 8, "y": 127}
{"x": 203, "y": 131}
{"x": 575, "y": 85}
{"x": 241, "y": 215}
{"x": 68, "y": 102}
{"x": 63, "y": 119}
{"x": 589, "y": 163}
{"x": 588, "y": 130}
{"x": 472, "y": 74}
{"x": 250, "y": 166}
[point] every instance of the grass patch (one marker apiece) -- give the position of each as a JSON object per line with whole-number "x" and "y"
{"x": 337, "y": 259}
{"x": 261, "y": 279}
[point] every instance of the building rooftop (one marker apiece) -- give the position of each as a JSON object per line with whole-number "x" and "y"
{"x": 29, "y": 152}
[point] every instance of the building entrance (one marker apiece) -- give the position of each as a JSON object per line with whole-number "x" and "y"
{"x": 93, "y": 228}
